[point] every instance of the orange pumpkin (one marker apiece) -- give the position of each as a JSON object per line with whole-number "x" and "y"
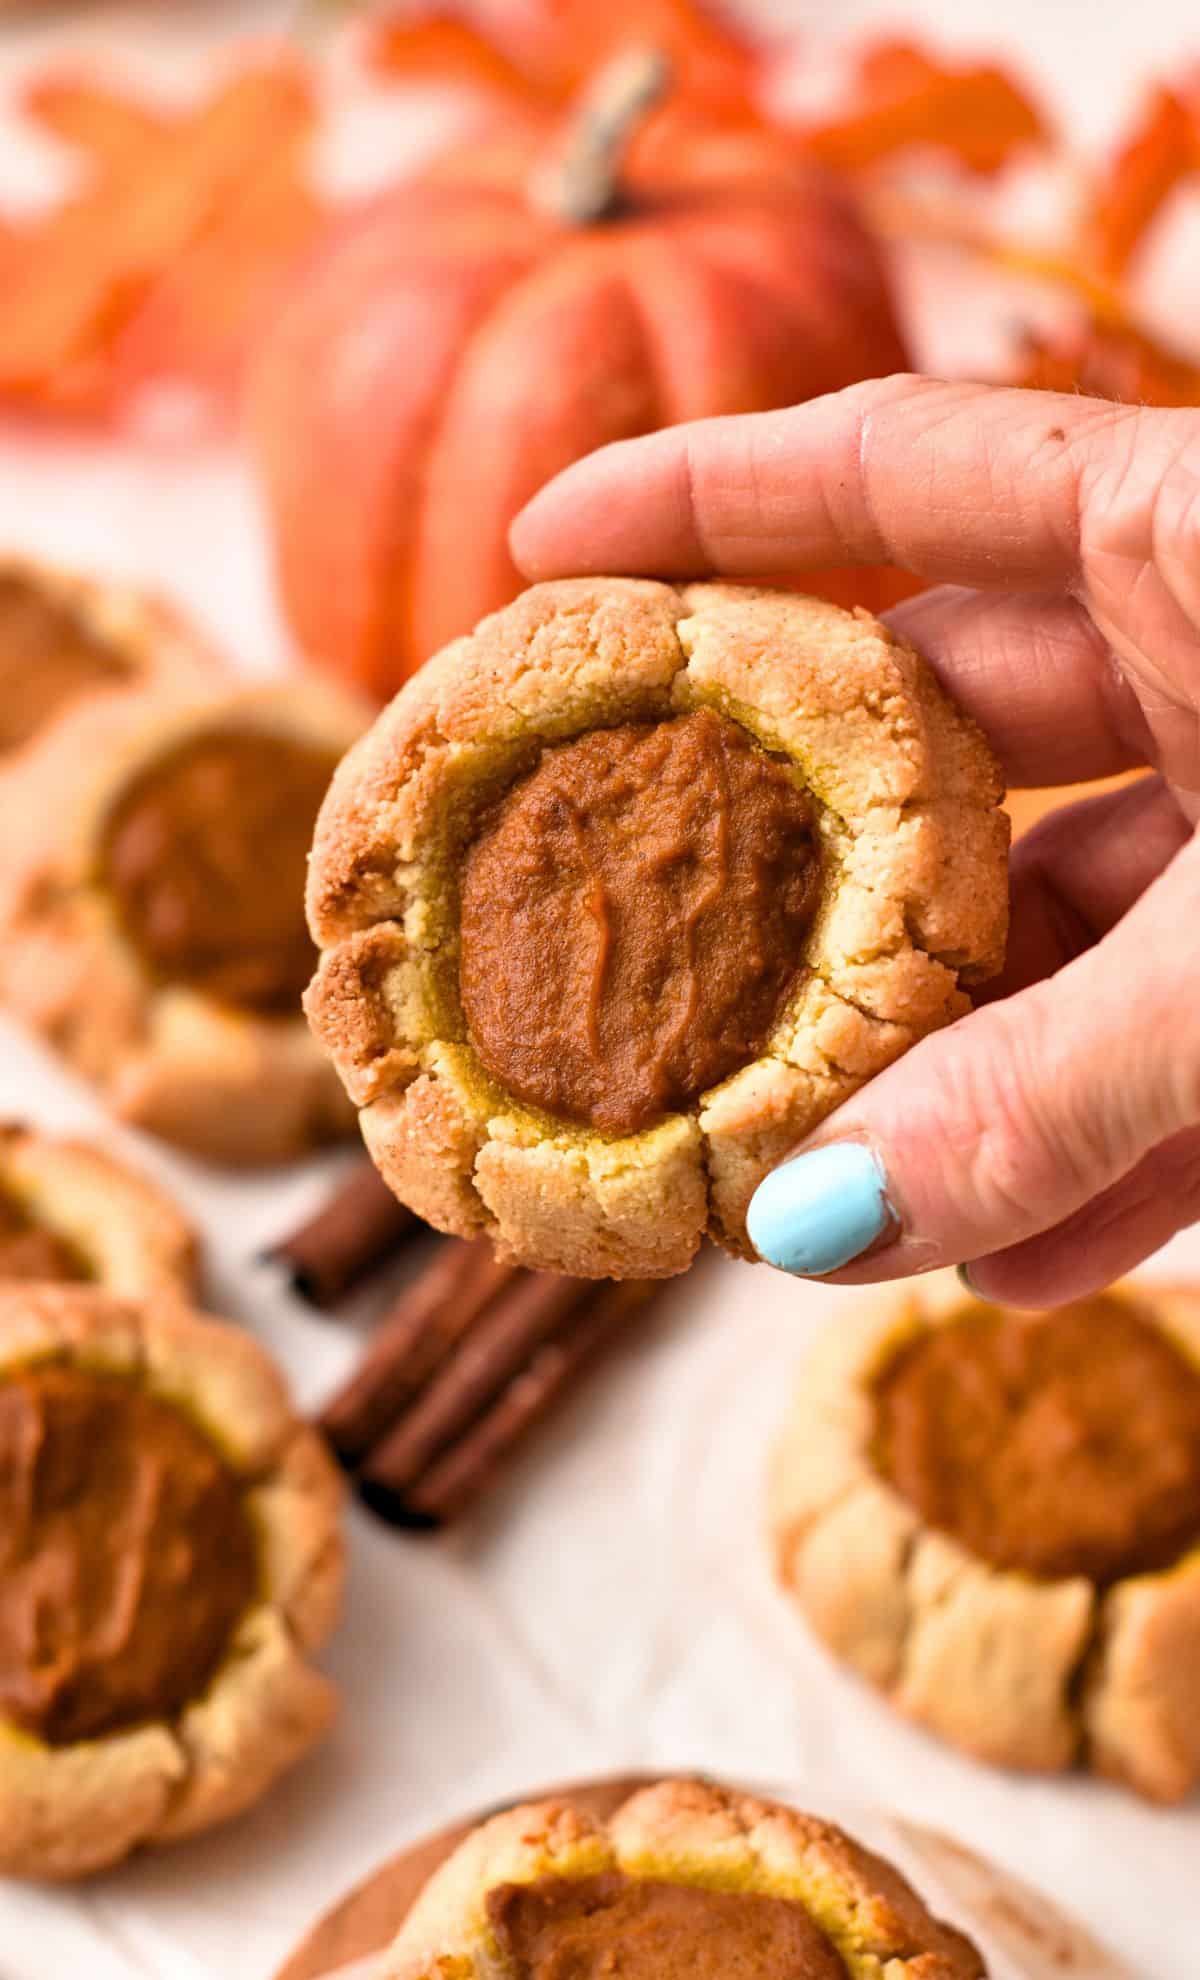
{"x": 458, "y": 340}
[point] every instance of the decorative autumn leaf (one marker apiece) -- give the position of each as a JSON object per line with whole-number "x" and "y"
{"x": 1162, "y": 150}
{"x": 113, "y": 129}
{"x": 1110, "y": 360}
{"x": 544, "y": 52}
{"x": 155, "y": 227}
{"x": 904, "y": 98}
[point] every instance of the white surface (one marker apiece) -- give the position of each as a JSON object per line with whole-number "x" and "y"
{"x": 613, "y": 1608}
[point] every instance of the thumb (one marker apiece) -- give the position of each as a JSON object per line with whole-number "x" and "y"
{"x": 1009, "y": 1121}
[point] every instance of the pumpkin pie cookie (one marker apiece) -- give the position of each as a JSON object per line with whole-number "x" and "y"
{"x": 169, "y": 1556}
{"x": 995, "y": 1517}
{"x": 70, "y": 1213}
{"x": 686, "y": 1878}
{"x": 626, "y": 891}
{"x": 67, "y": 641}
{"x": 159, "y": 941}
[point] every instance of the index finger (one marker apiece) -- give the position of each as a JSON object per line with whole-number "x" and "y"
{"x": 966, "y": 484}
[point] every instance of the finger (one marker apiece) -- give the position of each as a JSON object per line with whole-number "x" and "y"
{"x": 965, "y": 484}
{"x": 1037, "y": 676}
{"x": 1009, "y": 1122}
{"x": 1078, "y": 873}
{"x": 1104, "y": 1238}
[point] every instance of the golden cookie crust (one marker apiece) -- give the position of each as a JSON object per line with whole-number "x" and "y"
{"x": 685, "y": 1832}
{"x": 163, "y": 661}
{"x": 1036, "y": 1674}
{"x": 914, "y": 904}
{"x": 137, "y": 1242}
{"x": 227, "y": 1084}
{"x": 67, "y": 1811}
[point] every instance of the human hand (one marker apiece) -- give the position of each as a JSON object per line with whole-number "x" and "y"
{"x": 1050, "y": 1139}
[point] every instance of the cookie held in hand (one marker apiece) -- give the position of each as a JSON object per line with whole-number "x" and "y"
{"x": 686, "y": 1878}
{"x": 995, "y": 1517}
{"x": 628, "y": 890}
{"x": 170, "y": 1555}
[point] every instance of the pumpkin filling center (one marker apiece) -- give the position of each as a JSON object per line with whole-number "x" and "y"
{"x": 30, "y": 1250}
{"x": 1054, "y": 1444}
{"x": 48, "y": 658}
{"x": 126, "y": 1555}
{"x": 205, "y": 858}
{"x": 634, "y": 912}
{"x": 589, "y": 1928}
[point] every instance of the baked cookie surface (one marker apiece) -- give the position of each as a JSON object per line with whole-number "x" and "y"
{"x": 995, "y": 1517}
{"x": 686, "y": 1878}
{"x": 170, "y": 1554}
{"x": 70, "y": 1212}
{"x": 158, "y": 940}
{"x": 626, "y": 891}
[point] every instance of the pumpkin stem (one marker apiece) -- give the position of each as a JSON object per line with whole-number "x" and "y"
{"x": 582, "y": 185}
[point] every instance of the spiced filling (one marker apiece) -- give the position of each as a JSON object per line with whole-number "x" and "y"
{"x": 126, "y": 1554}
{"x": 634, "y": 913}
{"x": 30, "y": 1250}
{"x": 592, "y": 1928}
{"x": 1056, "y": 1444}
{"x": 48, "y": 658}
{"x": 205, "y": 858}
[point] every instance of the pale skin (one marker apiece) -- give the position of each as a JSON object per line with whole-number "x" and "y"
{"x": 1051, "y": 1139}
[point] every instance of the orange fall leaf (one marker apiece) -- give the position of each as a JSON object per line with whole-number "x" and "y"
{"x": 903, "y": 98}
{"x": 1162, "y": 150}
{"x": 545, "y": 53}
{"x": 160, "y": 184}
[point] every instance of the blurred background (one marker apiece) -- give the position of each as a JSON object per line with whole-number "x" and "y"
{"x": 297, "y": 305}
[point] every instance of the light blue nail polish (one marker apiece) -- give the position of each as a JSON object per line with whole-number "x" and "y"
{"x": 818, "y": 1211}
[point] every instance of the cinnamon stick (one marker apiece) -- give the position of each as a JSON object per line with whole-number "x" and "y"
{"x": 350, "y": 1235}
{"x": 431, "y": 1317}
{"x": 486, "y": 1360}
{"x": 466, "y": 1470}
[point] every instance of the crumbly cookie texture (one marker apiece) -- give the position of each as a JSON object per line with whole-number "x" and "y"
{"x": 913, "y": 907}
{"x": 1031, "y": 1673}
{"x": 225, "y": 1082}
{"x": 689, "y": 1833}
{"x": 81, "y": 660}
{"x": 69, "y": 1810}
{"x": 130, "y": 1236}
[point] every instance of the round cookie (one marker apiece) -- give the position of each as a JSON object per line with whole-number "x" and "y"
{"x": 67, "y": 641}
{"x": 70, "y": 1212}
{"x": 173, "y": 1529}
{"x": 995, "y": 1517}
{"x": 685, "y": 1878}
{"x": 628, "y": 890}
{"x": 80, "y": 661}
{"x": 159, "y": 941}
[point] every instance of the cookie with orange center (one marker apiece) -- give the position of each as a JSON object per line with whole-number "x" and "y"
{"x": 626, "y": 891}
{"x": 157, "y": 937}
{"x": 170, "y": 1556}
{"x": 69, "y": 642}
{"x": 71, "y": 1213}
{"x": 686, "y": 1878}
{"x": 995, "y": 1517}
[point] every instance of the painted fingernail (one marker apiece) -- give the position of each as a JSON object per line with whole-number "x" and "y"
{"x": 818, "y": 1211}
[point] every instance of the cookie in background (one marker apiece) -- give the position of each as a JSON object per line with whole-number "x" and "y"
{"x": 154, "y": 931}
{"x": 72, "y": 1213}
{"x": 994, "y": 1516}
{"x": 173, "y": 1528}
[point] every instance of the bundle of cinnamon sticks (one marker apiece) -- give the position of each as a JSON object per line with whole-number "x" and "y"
{"x": 470, "y": 1357}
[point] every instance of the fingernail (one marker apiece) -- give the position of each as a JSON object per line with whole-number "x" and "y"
{"x": 818, "y": 1211}
{"x": 965, "y": 1280}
